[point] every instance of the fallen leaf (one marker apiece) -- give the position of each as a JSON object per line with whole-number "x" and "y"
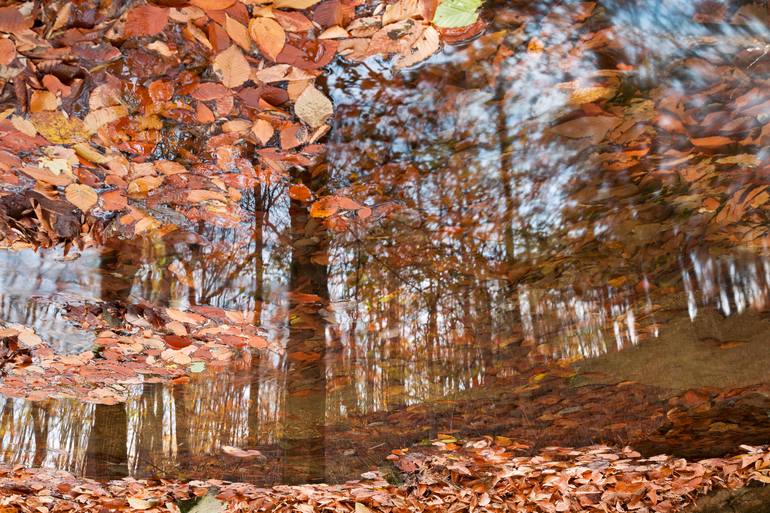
{"x": 232, "y": 67}
{"x": 269, "y": 36}
{"x": 426, "y": 45}
{"x": 456, "y": 13}
{"x": 238, "y": 33}
{"x": 7, "y": 51}
{"x": 82, "y": 196}
{"x": 312, "y": 107}
{"x": 146, "y": 20}
{"x": 212, "y": 5}
{"x": 58, "y": 128}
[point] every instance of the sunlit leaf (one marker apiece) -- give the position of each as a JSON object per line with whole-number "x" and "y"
{"x": 294, "y": 4}
{"x": 456, "y": 13}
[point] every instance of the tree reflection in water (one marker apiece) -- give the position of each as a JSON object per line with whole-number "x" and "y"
{"x": 493, "y": 244}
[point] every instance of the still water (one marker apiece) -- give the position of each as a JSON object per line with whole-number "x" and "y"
{"x": 565, "y": 238}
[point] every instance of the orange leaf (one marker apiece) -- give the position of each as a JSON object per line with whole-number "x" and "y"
{"x": 146, "y": 20}
{"x": 711, "y": 142}
{"x": 269, "y": 36}
{"x": 300, "y": 192}
{"x": 212, "y": 5}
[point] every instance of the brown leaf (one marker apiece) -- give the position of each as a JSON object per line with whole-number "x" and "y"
{"x": 269, "y": 36}
{"x": 146, "y": 20}
{"x": 312, "y": 107}
{"x": 82, "y": 196}
{"x": 593, "y": 127}
{"x": 7, "y": 51}
{"x": 11, "y": 20}
{"x": 232, "y": 67}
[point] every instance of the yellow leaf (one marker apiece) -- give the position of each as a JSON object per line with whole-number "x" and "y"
{"x": 58, "y": 128}
{"x": 269, "y": 36}
{"x": 232, "y": 67}
{"x": 81, "y": 195}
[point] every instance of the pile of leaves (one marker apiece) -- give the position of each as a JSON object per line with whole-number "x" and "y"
{"x": 479, "y": 475}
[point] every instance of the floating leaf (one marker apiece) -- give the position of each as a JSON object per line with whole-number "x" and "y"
{"x": 312, "y": 107}
{"x": 426, "y": 45}
{"x": 456, "y": 13}
{"x": 81, "y": 195}
{"x": 232, "y": 67}
{"x": 269, "y": 36}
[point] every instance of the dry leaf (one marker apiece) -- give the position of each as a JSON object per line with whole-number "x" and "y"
{"x": 58, "y": 128}
{"x": 313, "y": 107}
{"x": 426, "y": 45}
{"x": 335, "y": 32}
{"x": 7, "y": 51}
{"x": 238, "y": 33}
{"x": 98, "y": 118}
{"x": 263, "y": 131}
{"x": 232, "y": 67}
{"x": 294, "y": 4}
{"x": 269, "y": 36}
{"x": 146, "y": 20}
{"x": 81, "y": 195}
{"x": 212, "y": 5}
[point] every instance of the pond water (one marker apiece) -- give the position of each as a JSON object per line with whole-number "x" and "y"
{"x": 565, "y": 238}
